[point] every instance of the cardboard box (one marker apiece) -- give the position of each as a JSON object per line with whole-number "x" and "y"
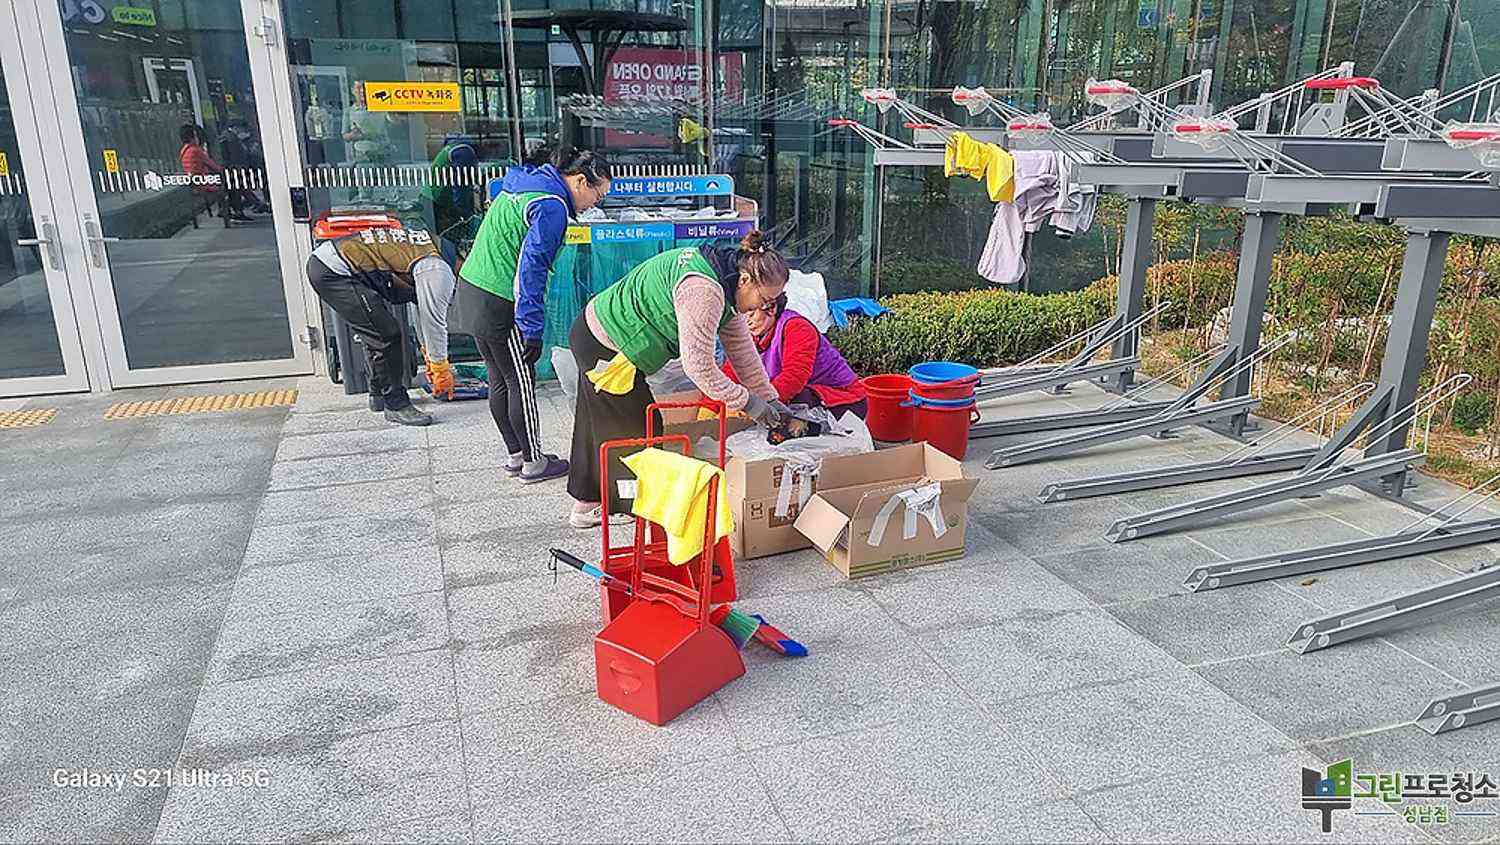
{"x": 755, "y": 487}
{"x": 841, "y": 519}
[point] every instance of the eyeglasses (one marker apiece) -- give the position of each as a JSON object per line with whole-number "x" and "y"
{"x": 767, "y": 307}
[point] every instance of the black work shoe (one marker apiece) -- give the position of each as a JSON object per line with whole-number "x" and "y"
{"x": 377, "y": 402}
{"x": 408, "y": 416}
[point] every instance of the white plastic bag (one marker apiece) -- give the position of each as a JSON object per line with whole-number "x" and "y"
{"x": 670, "y": 379}
{"x": 567, "y": 372}
{"x": 808, "y": 295}
{"x": 847, "y": 435}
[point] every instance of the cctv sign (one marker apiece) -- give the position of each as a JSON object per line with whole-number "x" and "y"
{"x": 412, "y": 96}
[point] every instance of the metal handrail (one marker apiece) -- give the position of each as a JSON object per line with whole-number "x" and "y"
{"x": 1405, "y": 416}
{"x": 1286, "y": 429}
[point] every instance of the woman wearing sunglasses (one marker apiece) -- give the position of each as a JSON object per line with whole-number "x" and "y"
{"x": 803, "y": 366}
{"x": 678, "y": 304}
{"x": 501, "y": 304}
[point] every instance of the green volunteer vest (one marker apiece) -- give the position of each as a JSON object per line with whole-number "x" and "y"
{"x": 637, "y": 312}
{"x": 495, "y": 259}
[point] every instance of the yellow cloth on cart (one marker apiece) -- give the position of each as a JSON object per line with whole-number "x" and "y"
{"x": 616, "y": 377}
{"x": 671, "y": 490}
{"x": 962, "y": 155}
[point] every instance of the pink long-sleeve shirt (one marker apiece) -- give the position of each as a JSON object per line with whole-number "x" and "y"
{"x": 698, "y": 302}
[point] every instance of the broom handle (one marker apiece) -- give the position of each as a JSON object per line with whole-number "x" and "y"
{"x": 592, "y": 571}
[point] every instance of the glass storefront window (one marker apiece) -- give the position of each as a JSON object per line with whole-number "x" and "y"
{"x": 176, "y": 161}
{"x": 28, "y": 333}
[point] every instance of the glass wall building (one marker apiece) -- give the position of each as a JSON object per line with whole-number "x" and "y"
{"x": 133, "y": 263}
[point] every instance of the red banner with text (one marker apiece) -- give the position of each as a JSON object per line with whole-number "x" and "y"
{"x": 655, "y": 74}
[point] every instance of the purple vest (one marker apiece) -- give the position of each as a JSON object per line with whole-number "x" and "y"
{"x": 829, "y": 367}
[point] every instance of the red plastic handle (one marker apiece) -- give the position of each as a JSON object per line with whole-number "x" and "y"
{"x": 1341, "y": 83}
{"x": 1109, "y": 89}
{"x": 705, "y": 403}
{"x": 1019, "y": 127}
{"x": 921, "y": 126}
{"x": 840, "y": 121}
{"x": 1475, "y": 134}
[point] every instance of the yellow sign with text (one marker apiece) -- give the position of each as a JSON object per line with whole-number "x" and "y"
{"x": 4, "y": 165}
{"x": 111, "y": 161}
{"x": 412, "y": 96}
{"x": 576, "y": 235}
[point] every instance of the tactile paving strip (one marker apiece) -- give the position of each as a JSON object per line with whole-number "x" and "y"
{"x": 201, "y": 404}
{"x": 28, "y": 418}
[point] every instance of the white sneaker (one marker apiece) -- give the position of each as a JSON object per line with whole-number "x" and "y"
{"x": 584, "y": 520}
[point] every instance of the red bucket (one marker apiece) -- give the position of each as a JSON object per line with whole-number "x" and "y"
{"x": 887, "y": 418}
{"x": 947, "y": 429}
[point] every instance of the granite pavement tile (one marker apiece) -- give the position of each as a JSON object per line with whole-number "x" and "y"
{"x": 253, "y": 644}
{"x": 1021, "y": 658}
{"x": 904, "y": 776}
{"x": 1354, "y": 687}
{"x": 324, "y": 790}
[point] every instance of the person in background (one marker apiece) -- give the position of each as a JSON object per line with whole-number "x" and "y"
{"x": 241, "y": 148}
{"x": 677, "y": 304}
{"x": 368, "y": 133}
{"x": 803, "y": 366}
{"x": 450, "y": 193}
{"x": 501, "y": 300}
{"x": 196, "y": 161}
{"x": 361, "y": 276}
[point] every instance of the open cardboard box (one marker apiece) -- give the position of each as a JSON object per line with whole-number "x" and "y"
{"x": 841, "y": 517}
{"x": 755, "y": 487}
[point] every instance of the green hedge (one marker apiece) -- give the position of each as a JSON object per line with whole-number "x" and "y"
{"x": 985, "y": 328}
{"x": 919, "y": 275}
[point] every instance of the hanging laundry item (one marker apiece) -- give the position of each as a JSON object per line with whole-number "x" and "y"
{"x": 963, "y": 155}
{"x": 1036, "y": 193}
{"x": 1076, "y": 201}
{"x": 672, "y": 491}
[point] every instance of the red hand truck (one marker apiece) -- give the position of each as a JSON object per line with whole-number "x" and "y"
{"x": 648, "y": 550}
{"x": 659, "y": 652}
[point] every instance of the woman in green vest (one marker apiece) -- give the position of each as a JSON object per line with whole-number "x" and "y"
{"x": 678, "y": 304}
{"x": 505, "y": 282}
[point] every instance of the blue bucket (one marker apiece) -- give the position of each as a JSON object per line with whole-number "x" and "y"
{"x": 941, "y": 372}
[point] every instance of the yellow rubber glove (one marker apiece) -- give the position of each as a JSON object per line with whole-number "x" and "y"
{"x": 440, "y": 376}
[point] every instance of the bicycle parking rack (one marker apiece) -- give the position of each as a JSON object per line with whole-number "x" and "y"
{"x": 1407, "y": 542}
{"x": 1251, "y": 459}
{"x": 1395, "y": 613}
{"x": 1400, "y": 164}
{"x": 1181, "y": 413}
{"x": 1471, "y": 707}
{"x": 1329, "y": 468}
{"x": 1032, "y": 374}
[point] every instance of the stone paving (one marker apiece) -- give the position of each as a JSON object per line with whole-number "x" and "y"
{"x": 363, "y": 615}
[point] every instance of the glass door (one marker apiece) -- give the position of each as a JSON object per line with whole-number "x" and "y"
{"x": 160, "y": 111}
{"x": 40, "y": 350}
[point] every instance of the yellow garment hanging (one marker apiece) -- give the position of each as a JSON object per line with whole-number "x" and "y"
{"x": 976, "y": 159}
{"x": 616, "y": 377}
{"x": 672, "y": 491}
{"x": 689, "y": 130}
